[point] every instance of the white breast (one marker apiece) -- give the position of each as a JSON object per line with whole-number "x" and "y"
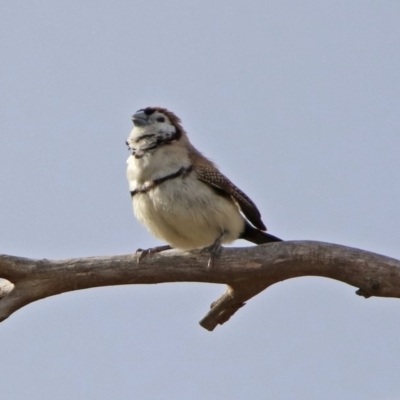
{"x": 162, "y": 162}
{"x": 184, "y": 212}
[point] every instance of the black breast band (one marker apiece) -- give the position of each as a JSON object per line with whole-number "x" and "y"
{"x": 182, "y": 172}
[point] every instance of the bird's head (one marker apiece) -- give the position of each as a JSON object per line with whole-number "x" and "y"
{"x": 153, "y": 127}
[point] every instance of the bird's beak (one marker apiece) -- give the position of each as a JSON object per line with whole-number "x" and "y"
{"x": 140, "y": 119}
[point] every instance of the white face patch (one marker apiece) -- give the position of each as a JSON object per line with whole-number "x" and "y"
{"x": 147, "y": 138}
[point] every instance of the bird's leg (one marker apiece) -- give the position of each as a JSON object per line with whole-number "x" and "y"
{"x": 152, "y": 250}
{"x": 214, "y": 250}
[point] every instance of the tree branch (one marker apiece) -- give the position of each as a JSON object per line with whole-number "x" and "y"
{"x": 246, "y": 271}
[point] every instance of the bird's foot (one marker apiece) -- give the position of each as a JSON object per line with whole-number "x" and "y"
{"x": 214, "y": 250}
{"x": 142, "y": 253}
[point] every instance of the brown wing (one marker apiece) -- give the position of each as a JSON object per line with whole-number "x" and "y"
{"x": 210, "y": 175}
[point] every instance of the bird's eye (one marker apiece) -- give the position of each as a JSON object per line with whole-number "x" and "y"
{"x": 161, "y": 119}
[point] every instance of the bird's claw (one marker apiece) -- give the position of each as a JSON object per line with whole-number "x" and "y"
{"x": 142, "y": 253}
{"x": 214, "y": 250}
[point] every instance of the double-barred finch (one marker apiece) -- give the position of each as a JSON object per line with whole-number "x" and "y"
{"x": 180, "y": 195}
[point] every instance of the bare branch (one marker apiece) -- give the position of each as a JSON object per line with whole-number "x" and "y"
{"x": 246, "y": 271}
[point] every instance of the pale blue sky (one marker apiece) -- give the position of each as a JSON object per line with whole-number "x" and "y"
{"x": 297, "y": 102}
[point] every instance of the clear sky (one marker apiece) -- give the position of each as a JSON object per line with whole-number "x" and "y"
{"x": 296, "y": 101}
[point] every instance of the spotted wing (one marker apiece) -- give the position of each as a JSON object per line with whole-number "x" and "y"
{"x": 222, "y": 184}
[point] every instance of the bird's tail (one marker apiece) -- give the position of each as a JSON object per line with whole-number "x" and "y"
{"x": 256, "y": 236}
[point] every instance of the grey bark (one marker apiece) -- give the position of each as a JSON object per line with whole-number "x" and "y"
{"x": 246, "y": 271}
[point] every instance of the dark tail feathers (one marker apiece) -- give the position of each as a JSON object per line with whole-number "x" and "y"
{"x": 256, "y": 236}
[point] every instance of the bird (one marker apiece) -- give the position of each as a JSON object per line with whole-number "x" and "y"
{"x": 180, "y": 195}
